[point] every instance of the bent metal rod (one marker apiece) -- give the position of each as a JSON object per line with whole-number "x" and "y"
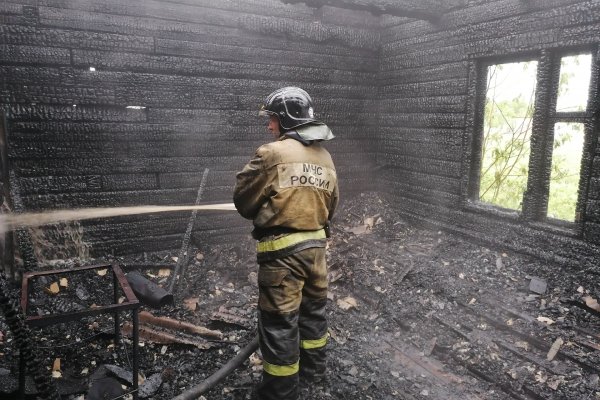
{"x": 12, "y": 221}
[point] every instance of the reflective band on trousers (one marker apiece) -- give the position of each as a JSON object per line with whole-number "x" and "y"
{"x": 281, "y": 370}
{"x": 289, "y": 240}
{"x": 313, "y": 344}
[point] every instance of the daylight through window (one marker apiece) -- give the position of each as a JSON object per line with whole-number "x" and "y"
{"x": 509, "y": 101}
{"x": 531, "y": 159}
{"x": 564, "y": 176}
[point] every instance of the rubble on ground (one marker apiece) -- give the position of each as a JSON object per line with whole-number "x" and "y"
{"x": 414, "y": 313}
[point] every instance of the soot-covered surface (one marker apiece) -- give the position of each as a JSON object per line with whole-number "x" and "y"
{"x": 414, "y": 314}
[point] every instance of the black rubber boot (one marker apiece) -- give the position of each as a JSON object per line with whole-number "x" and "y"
{"x": 278, "y": 387}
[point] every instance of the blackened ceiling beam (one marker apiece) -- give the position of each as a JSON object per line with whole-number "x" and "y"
{"x": 377, "y": 7}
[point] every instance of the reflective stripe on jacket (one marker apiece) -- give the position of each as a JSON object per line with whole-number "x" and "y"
{"x": 283, "y": 246}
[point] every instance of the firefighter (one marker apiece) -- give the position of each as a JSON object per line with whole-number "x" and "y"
{"x": 289, "y": 190}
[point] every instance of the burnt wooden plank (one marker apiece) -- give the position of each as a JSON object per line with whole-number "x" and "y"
{"x": 248, "y": 43}
{"x": 425, "y": 194}
{"x": 516, "y": 43}
{"x": 225, "y": 52}
{"x": 361, "y": 38}
{"x": 539, "y": 40}
{"x": 116, "y": 165}
{"x": 126, "y": 198}
{"x": 571, "y": 15}
{"x": 157, "y": 224}
{"x": 155, "y": 150}
{"x": 7, "y": 8}
{"x": 479, "y": 13}
{"x": 120, "y": 165}
{"x": 42, "y": 112}
{"x": 417, "y": 164}
{"x": 446, "y": 71}
{"x": 209, "y": 59}
{"x": 437, "y": 104}
{"x": 82, "y": 19}
{"x": 334, "y": 15}
{"x": 100, "y": 224}
{"x": 396, "y": 8}
{"x": 231, "y": 33}
{"x": 137, "y": 245}
{"x": 34, "y": 55}
{"x": 126, "y": 182}
{"x": 124, "y": 80}
{"x": 218, "y": 117}
{"x": 44, "y": 37}
{"x": 422, "y": 120}
{"x": 190, "y": 10}
{"x": 144, "y": 8}
{"x": 419, "y": 179}
{"x": 147, "y": 95}
{"x": 194, "y": 179}
{"x": 447, "y": 137}
{"x": 221, "y": 99}
{"x": 430, "y": 56}
{"x": 136, "y": 63}
{"x": 14, "y": 92}
{"x": 58, "y": 184}
{"x": 209, "y": 15}
{"x": 25, "y": 131}
{"x": 426, "y": 150}
{"x": 432, "y": 88}
{"x": 87, "y": 183}
{"x": 178, "y": 196}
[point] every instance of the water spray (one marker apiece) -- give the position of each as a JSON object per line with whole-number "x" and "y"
{"x": 10, "y": 222}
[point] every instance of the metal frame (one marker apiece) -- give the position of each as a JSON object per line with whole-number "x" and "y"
{"x": 131, "y": 303}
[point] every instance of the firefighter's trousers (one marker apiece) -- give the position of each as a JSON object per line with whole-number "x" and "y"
{"x": 291, "y": 321}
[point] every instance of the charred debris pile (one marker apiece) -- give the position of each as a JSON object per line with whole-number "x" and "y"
{"x": 414, "y": 313}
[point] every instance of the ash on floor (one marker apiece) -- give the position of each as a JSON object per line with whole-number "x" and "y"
{"x": 414, "y": 313}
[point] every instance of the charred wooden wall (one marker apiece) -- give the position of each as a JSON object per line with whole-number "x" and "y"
{"x": 200, "y": 68}
{"x": 428, "y": 75}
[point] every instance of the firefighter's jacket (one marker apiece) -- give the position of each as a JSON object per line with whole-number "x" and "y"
{"x": 287, "y": 186}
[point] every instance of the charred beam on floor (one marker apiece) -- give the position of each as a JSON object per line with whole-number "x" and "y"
{"x": 440, "y": 352}
{"x": 540, "y": 344}
{"x": 558, "y": 369}
{"x": 452, "y": 328}
{"x": 374, "y": 7}
{"x": 478, "y": 373}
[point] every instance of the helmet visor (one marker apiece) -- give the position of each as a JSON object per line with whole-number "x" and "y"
{"x": 263, "y": 112}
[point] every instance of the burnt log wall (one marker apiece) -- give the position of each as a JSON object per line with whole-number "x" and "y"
{"x": 200, "y": 69}
{"x": 427, "y": 112}
{"x": 397, "y": 90}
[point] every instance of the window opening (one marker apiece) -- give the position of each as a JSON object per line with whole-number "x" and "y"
{"x": 536, "y": 165}
{"x": 565, "y": 173}
{"x": 574, "y": 82}
{"x": 508, "y": 115}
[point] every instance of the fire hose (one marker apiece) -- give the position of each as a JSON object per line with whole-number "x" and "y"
{"x": 196, "y": 391}
{"x": 22, "y": 334}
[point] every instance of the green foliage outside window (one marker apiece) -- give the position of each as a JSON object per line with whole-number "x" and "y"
{"x": 507, "y": 132}
{"x": 564, "y": 177}
{"x": 509, "y": 107}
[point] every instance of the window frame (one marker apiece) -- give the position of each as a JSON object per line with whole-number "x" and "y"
{"x": 535, "y": 199}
